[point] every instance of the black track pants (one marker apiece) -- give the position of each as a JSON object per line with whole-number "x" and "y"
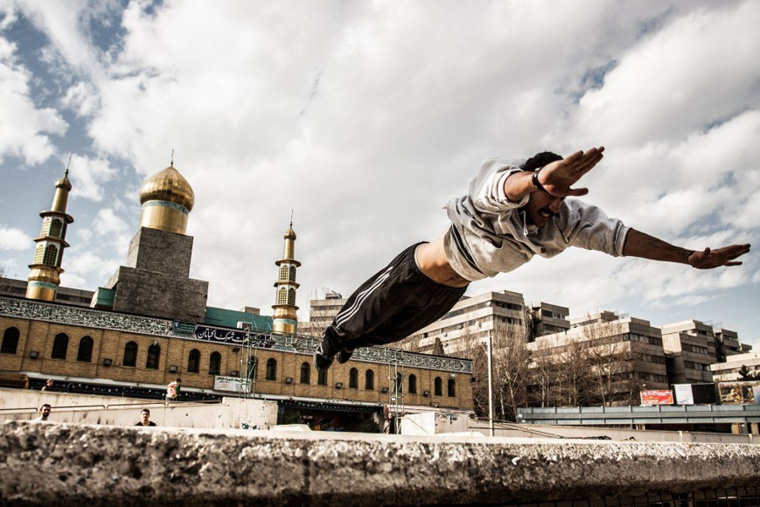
{"x": 396, "y": 302}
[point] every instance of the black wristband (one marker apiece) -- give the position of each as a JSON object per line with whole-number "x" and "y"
{"x": 535, "y": 181}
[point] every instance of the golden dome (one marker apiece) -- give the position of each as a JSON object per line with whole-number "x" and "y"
{"x": 168, "y": 185}
{"x": 290, "y": 233}
{"x": 64, "y": 182}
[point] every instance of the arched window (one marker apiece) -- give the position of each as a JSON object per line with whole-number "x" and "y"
{"x": 369, "y": 380}
{"x": 85, "y": 349}
{"x": 292, "y": 297}
{"x": 51, "y": 255}
{"x": 353, "y": 378}
{"x": 438, "y": 386}
{"x": 60, "y": 346}
{"x": 130, "y": 354}
{"x": 452, "y": 390}
{"x": 154, "y": 355}
{"x": 38, "y": 253}
{"x": 271, "y": 369}
{"x": 284, "y": 272}
{"x": 282, "y": 296}
{"x": 215, "y": 363}
{"x": 194, "y": 361}
{"x": 305, "y": 373}
{"x": 412, "y": 384}
{"x": 10, "y": 341}
{"x": 398, "y": 386}
{"x": 292, "y": 274}
{"x": 56, "y": 226}
{"x": 322, "y": 378}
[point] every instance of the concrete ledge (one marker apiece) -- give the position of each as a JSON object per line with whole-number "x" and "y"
{"x": 59, "y": 464}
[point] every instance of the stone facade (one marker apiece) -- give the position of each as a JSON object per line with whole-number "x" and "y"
{"x": 155, "y": 282}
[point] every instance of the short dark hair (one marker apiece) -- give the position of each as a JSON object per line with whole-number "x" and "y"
{"x": 145, "y": 410}
{"x": 539, "y": 160}
{"x": 45, "y": 405}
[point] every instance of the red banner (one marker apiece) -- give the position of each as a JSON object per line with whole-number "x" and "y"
{"x": 657, "y": 397}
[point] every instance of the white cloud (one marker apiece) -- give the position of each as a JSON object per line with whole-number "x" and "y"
{"x": 81, "y": 98}
{"x": 27, "y": 135}
{"x": 14, "y": 239}
{"x": 88, "y": 175}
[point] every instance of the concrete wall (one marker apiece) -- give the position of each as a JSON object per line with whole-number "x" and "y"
{"x": 431, "y": 423}
{"x": 45, "y": 464}
{"x": 17, "y": 404}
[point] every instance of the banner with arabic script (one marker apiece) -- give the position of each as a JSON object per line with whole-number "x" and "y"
{"x": 234, "y": 337}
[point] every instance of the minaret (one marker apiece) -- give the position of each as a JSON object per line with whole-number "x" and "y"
{"x": 285, "y": 317}
{"x": 45, "y": 270}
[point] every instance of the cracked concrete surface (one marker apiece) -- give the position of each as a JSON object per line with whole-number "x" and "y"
{"x": 60, "y": 464}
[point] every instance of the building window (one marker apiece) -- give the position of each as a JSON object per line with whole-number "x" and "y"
{"x": 51, "y": 255}
{"x": 271, "y": 369}
{"x": 292, "y": 274}
{"x": 10, "y": 341}
{"x": 194, "y": 361}
{"x": 369, "y": 380}
{"x": 130, "y": 354}
{"x": 305, "y": 373}
{"x": 452, "y": 388}
{"x": 39, "y": 253}
{"x": 282, "y": 296}
{"x": 283, "y": 272}
{"x": 85, "y": 349}
{"x": 60, "y": 345}
{"x": 322, "y": 378}
{"x": 55, "y": 228}
{"x": 398, "y": 385}
{"x": 154, "y": 354}
{"x": 215, "y": 363}
{"x": 412, "y": 384}
{"x": 353, "y": 379}
{"x": 292, "y": 297}
{"x": 438, "y": 386}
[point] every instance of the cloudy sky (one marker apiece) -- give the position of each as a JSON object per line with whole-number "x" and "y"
{"x": 365, "y": 117}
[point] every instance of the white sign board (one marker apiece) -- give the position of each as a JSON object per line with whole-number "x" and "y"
{"x": 684, "y": 394}
{"x": 232, "y": 384}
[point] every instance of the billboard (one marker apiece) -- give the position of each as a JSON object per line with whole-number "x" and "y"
{"x": 232, "y": 384}
{"x": 657, "y": 397}
{"x": 740, "y": 393}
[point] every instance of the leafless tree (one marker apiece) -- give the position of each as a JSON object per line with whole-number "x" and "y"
{"x": 609, "y": 359}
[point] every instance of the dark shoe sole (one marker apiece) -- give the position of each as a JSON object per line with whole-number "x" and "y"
{"x": 344, "y": 356}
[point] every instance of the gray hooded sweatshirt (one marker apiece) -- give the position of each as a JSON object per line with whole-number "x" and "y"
{"x": 490, "y": 235}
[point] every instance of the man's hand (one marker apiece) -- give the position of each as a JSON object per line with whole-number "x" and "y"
{"x": 708, "y": 259}
{"x": 557, "y": 177}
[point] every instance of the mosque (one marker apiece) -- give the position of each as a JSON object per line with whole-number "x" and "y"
{"x": 150, "y": 324}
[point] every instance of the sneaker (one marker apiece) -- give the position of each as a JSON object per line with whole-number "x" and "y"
{"x": 344, "y": 355}
{"x": 323, "y": 355}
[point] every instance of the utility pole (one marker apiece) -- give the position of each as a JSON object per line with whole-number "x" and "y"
{"x": 490, "y": 383}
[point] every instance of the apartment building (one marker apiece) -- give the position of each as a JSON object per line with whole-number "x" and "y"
{"x": 472, "y": 318}
{"x": 691, "y": 349}
{"x": 729, "y": 370}
{"x": 624, "y": 353}
{"x": 321, "y": 314}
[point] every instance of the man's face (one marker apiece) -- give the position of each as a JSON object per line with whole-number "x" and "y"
{"x": 541, "y": 207}
{"x": 45, "y": 412}
{"x": 145, "y": 416}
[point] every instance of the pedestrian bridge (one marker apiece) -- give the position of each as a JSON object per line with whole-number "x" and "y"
{"x": 75, "y": 464}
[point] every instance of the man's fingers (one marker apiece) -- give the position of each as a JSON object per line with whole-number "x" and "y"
{"x": 577, "y": 192}
{"x": 733, "y": 263}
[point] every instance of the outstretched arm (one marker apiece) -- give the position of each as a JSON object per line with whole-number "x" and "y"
{"x": 557, "y": 177}
{"x": 639, "y": 244}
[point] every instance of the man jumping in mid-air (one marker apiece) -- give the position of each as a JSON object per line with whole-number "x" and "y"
{"x": 512, "y": 212}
